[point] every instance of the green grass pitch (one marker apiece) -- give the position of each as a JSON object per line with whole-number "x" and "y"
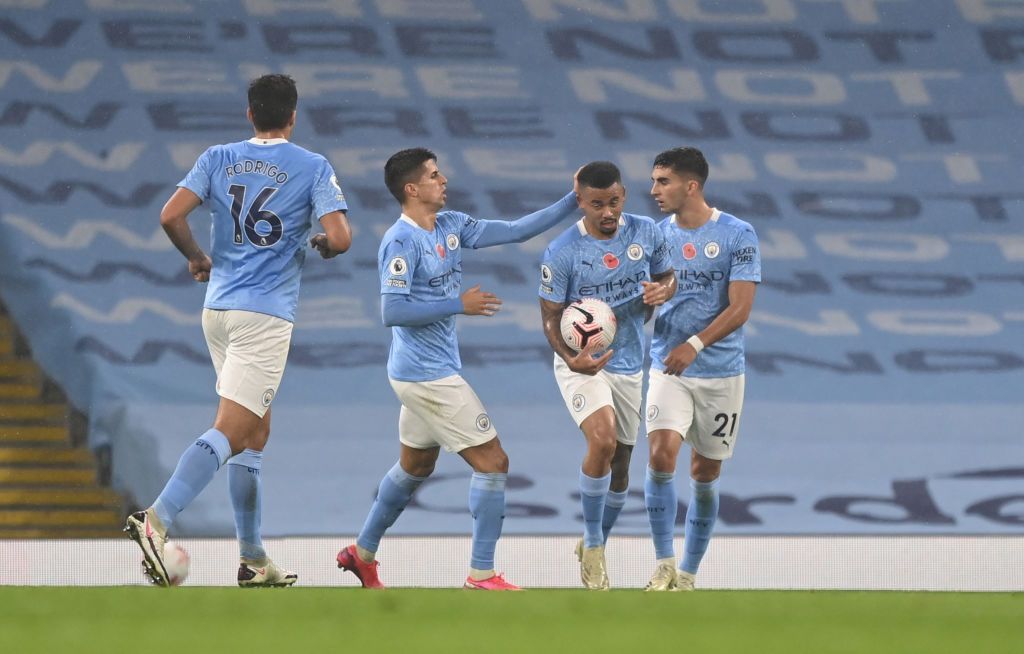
{"x": 299, "y": 620}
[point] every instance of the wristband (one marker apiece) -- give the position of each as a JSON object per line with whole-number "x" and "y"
{"x": 695, "y": 343}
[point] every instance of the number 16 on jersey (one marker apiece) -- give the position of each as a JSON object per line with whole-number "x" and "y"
{"x": 262, "y": 228}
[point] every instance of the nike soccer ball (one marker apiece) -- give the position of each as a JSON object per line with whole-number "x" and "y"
{"x": 588, "y": 319}
{"x": 176, "y": 562}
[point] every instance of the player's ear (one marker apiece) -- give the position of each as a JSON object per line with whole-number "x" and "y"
{"x": 248, "y": 114}
{"x": 411, "y": 190}
{"x": 295, "y": 113}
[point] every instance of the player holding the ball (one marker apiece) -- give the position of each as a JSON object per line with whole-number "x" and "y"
{"x": 697, "y": 358}
{"x": 622, "y": 260}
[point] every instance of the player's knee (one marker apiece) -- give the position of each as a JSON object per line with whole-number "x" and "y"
{"x": 257, "y": 435}
{"x": 500, "y": 462}
{"x": 705, "y": 470}
{"x": 663, "y": 459}
{"x": 419, "y": 468}
{"x": 259, "y": 439}
{"x": 494, "y": 460}
{"x": 663, "y": 452}
{"x": 602, "y": 445}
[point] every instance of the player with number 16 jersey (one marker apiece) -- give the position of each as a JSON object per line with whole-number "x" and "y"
{"x": 263, "y": 195}
{"x": 260, "y": 221}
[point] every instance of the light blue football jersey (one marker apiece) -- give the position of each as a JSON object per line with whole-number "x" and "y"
{"x": 426, "y": 266}
{"x": 706, "y": 259}
{"x": 263, "y": 196}
{"x": 577, "y": 265}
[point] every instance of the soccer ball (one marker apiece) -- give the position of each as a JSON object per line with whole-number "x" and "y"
{"x": 586, "y": 320}
{"x": 176, "y": 562}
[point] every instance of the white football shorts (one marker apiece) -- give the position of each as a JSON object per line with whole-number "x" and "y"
{"x": 443, "y": 412}
{"x": 705, "y": 412}
{"x": 249, "y": 351}
{"x": 585, "y": 394}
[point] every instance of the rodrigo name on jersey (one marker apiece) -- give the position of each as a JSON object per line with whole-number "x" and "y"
{"x": 263, "y": 195}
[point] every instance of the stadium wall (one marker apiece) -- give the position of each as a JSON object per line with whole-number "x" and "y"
{"x": 919, "y": 563}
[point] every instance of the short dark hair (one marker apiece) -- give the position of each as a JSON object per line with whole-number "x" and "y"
{"x": 686, "y": 161}
{"x": 272, "y": 99}
{"x": 599, "y": 174}
{"x": 403, "y": 167}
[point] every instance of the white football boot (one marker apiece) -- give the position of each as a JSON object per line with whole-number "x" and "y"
{"x": 264, "y": 574}
{"x": 142, "y": 529}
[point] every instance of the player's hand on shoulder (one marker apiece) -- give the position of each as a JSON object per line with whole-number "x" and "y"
{"x": 679, "y": 359}
{"x": 477, "y": 302}
{"x": 585, "y": 363}
{"x": 656, "y": 293}
{"x": 200, "y": 267}
{"x": 320, "y": 244}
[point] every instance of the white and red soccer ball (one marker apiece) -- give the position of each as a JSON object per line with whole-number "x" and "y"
{"x": 176, "y": 561}
{"x": 587, "y": 320}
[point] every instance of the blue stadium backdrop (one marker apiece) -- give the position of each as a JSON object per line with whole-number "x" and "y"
{"x": 875, "y": 146}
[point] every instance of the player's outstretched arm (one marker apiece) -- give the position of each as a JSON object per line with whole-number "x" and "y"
{"x": 405, "y": 311}
{"x": 336, "y": 237}
{"x": 732, "y": 317}
{"x": 582, "y": 362}
{"x": 174, "y": 220}
{"x": 499, "y": 232}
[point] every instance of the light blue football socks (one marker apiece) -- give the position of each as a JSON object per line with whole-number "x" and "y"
{"x": 701, "y": 515}
{"x": 393, "y": 494}
{"x": 593, "y": 495}
{"x": 246, "y": 501}
{"x": 661, "y": 502}
{"x": 487, "y": 506}
{"x": 613, "y": 504}
{"x": 196, "y": 467}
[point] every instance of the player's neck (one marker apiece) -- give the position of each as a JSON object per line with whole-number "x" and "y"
{"x": 271, "y": 134}
{"x": 422, "y": 216}
{"x": 694, "y": 217}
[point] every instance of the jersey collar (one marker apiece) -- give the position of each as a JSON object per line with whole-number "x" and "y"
{"x": 256, "y": 141}
{"x": 715, "y": 215}
{"x": 406, "y": 219}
